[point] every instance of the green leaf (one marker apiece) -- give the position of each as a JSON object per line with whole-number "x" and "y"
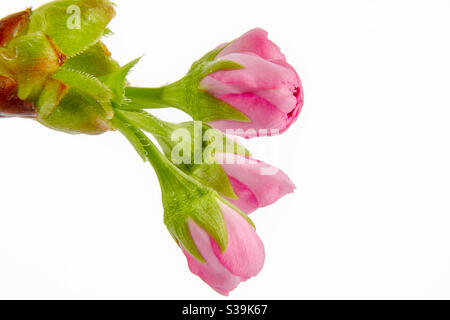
{"x": 96, "y": 61}
{"x": 75, "y": 113}
{"x": 74, "y": 25}
{"x": 50, "y": 97}
{"x": 89, "y": 86}
{"x": 116, "y": 81}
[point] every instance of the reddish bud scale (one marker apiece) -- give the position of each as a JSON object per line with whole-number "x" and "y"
{"x": 10, "y": 104}
{"x": 12, "y": 25}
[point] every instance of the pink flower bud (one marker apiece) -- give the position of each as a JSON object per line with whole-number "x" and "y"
{"x": 267, "y": 89}
{"x": 256, "y": 183}
{"x": 242, "y": 259}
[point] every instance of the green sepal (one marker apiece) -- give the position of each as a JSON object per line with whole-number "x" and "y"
{"x": 53, "y": 19}
{"x": 116, "y": 81}
{"x": 200, "y": 204}
{"x": 209, "y": 172}
{"x": 209, "y": 216}
{"x": 198, "y": 103}
{"x": 211, "y": 55}
{"x": 221, "y": 65}
{"x": 213, "y": 176}
{"x": 179, "y": 230}
{"x": 231, "y": 145}
{"x": 205, "y": 107}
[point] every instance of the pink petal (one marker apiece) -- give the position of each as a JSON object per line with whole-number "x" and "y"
{"x": 267, "y": 90}
{"x": 244, "y": 256}
{"x": 267, "y": 183}
{"x": 213, "y": 272}
{"x": 255, "y": 41}
{"x": 247, "y": 201}
{"x": 262, "y": 114}
{"x": 271, "y": 81}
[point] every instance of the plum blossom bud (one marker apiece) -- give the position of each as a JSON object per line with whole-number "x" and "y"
{"x": 218, "y": 239}
{"x": 267, "y": 89}
{"x": 243, "y": 258}
{"x": 246, "y": 86}
{"x": 255, "y": 183}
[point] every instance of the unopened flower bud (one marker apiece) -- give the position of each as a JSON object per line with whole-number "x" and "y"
{"x": 245, "y": 85}
{"x": 219, "y": 241}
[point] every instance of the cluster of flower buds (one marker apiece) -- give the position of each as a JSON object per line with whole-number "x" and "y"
{"x": 55, "y": 69}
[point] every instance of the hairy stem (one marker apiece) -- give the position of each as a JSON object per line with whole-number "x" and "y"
{"x": 169, "y": 176}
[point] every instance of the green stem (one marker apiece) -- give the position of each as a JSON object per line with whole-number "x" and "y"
{"x": 143, "y": 145}
{"x": 147, "y": 122}
{"x": 152, "y": 98}
{"x": 161, "y": 130}
{"x": 170, "y": 177}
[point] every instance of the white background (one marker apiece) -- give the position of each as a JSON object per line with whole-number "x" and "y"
{"x": 81, "y": 216}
